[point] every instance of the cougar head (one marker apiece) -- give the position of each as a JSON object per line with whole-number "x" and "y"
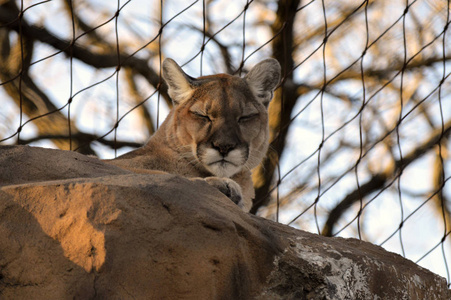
{"x": 221, "y": 121}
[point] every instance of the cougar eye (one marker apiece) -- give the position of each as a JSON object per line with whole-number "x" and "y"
{"x": 247, "y": 118}
{"x": 201, "y": 116}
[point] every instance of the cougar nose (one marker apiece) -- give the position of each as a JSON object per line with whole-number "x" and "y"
{"x": 223, "y": 149}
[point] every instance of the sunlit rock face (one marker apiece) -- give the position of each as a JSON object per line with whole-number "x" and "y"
{"x": 73, "y": 227}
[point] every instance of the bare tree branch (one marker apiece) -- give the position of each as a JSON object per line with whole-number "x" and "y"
{"x": 378, "y": 181}
{"x": 9, "y": 18}
{"x": 83, "y": 138}
{"x": 142, "y": 110}
{"x": 441, "y": 202}
{"x": 224, "y": 49}
{"x": 282, "y": 104}
{"x": 385, "y": 73}
{"x": 94, "y": 38}
{"x": 29, "y": 97}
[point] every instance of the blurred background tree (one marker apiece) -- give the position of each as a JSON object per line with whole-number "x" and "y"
{"x": 359, "y": 126}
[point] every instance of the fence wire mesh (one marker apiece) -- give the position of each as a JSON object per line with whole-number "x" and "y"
{"x": 360, "y": 123}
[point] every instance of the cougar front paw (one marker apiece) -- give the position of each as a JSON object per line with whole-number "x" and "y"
{"x": 228, "y": 187}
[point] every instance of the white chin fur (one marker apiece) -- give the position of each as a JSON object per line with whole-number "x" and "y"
{"x": 223, "y": 167}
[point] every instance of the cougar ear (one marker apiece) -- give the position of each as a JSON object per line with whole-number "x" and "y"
{"x": 180, "y": 85}
{"x": 263, "y": 79}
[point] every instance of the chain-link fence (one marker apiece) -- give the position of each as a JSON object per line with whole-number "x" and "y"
{"x": 360, "y": 124}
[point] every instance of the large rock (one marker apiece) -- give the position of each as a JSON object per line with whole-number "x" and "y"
{"x": 23, "y": 164}
{"x": 87, "y": 230}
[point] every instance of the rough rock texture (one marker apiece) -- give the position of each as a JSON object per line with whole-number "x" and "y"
{"x": 72, "y": 227}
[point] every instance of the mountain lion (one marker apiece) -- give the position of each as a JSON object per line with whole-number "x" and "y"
{"x": 217, "y": 130}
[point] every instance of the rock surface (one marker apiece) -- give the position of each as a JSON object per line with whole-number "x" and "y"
{"x": 73, "y": 227}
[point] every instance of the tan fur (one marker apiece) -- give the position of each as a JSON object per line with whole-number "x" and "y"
{"x": 217, "y": 130}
